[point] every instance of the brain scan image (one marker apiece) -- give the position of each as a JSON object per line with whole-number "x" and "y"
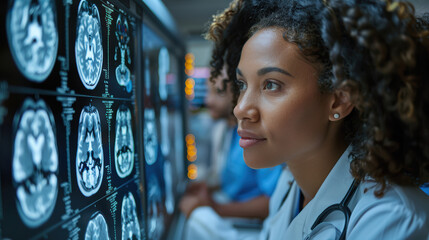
{"x": 88, "y": 47}
{"x": 147, "y": 76}
{"x": 35, "y": 163}
{"x": 168, "y": 178}
{"x": 150, "y": 137}
{"x": 122, "y": 71}
{"x": 124, "y": 142}
{"x": 179, "y": 144}
{"x": 97, "y": 228}
{"x": 165, "y": 139}
{"x": 155, "y": 218}
{"x": 130, "y": 222}
{"x": 33, "y": 37}
{"x": 163, "y": 69}
{"x": 89, "y": 157}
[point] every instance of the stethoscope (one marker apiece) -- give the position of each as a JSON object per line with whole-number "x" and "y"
{"x": 342, "y": 207}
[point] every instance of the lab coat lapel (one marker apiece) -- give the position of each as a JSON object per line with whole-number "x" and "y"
{"x": 332, "y": 191}
{"x": 280, "y": 221}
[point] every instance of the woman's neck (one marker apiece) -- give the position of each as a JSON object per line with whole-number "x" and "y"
{"x": 310, "y": 172}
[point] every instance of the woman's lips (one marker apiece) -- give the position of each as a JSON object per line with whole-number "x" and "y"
{"x": 249, "y": 142}
{"x": 248, "y": 138}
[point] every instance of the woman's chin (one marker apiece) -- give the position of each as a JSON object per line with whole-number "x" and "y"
{"x": 255, "y": 162}
{"x": 258, "y": 161}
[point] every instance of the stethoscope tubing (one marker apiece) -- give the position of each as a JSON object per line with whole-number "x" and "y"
{"x": 342, "y": 207}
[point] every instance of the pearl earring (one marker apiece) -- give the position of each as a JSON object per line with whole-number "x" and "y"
{"x": 336, "y": 116}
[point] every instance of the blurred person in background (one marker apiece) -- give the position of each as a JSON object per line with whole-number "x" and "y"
{"x": 205, "y": 217}
{"x": 218, "y": 102}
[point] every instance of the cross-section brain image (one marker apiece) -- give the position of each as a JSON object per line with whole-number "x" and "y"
{"x": 147, "y": 76}
{"x": 150, "y": 137}
{"x": 168, "y": 178}
{"x": 130, "y": 222}
{"x": 155, "y": 215}
{"x": 88, "y": 47}
{"x": 165, "y": 138}
{"x": 89, "y": 157}
{"x": 35, "y": 162}
{"x": 97, "y": 228}
{"x": 33, "y": 37}
{"x": 163, "y": 69}
{"x": 123, "y": 37}
{"x": 124, "y": 142}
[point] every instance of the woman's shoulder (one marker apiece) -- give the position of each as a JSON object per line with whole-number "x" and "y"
{"x": 401, "y": 197}
{"x": 401, "y": 213}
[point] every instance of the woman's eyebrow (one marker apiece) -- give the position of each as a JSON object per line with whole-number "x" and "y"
{"x": 266, "y": 70}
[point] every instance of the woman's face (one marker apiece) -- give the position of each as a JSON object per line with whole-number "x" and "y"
{"x": 282, "y": 114}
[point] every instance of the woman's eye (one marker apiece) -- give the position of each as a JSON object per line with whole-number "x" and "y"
{"x": 241, "y": 85}
{"x": 271, "y": 86}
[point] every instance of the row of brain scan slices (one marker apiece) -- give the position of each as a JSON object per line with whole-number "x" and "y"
{"x": 33, "y": 39}
{"x": 35, "y": 156}
{"x": 97, "y": 228}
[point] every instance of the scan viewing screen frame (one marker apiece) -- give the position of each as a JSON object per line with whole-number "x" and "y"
{"x": 164, "y": 126}
{"x": 70, "y": 120}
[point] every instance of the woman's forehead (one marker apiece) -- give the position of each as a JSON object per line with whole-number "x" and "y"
{"x": 269, "y": 42}
{"x": 268, "y": 48}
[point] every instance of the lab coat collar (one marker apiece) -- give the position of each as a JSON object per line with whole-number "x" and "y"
{"x": 332, "y": 191}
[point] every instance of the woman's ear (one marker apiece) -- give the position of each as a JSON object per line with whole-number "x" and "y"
{"x": 341, "y": 105}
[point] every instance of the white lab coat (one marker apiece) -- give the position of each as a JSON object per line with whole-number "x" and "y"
{"x": 403, "y": 212}
{"x": 283, "y": 186}
{"x": 205, "y": 224}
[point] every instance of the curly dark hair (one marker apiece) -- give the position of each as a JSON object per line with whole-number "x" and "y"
{"x": 422, "y": 22}
{"x": 229, "y": 31}
{"x": 380, "y": 53}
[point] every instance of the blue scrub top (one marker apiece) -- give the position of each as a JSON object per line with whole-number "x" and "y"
{"x": 425, "y": 188}
{"x": 241, "y": 182}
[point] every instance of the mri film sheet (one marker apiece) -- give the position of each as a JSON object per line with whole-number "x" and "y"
{"x": 168, "y": 179}
{"x": 129, "y": 220}
{"x": 123, "y": 42}
{"x": 124, "y": 142}
{"x": 122, "y": 52}
{"x": 163, "y": 70}
{"x": 70, "y": 145}
{"x": 33, "y": 37}
{"x": 165, "y": 127}
{"x": 97, "y": 228}
{"x": 155, "y": 208}
{"x": 89, "y": 156}
{"x": 35, "y": 162}
{"x": 150, "y": 136}
{"x": 88, "y": 44}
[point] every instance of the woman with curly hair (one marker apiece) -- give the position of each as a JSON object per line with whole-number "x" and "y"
{"x": 229, "y": 31}
{"x": 338, "y": 90}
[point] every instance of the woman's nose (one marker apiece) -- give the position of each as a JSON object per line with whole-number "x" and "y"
{"x": 246, "y": 108}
